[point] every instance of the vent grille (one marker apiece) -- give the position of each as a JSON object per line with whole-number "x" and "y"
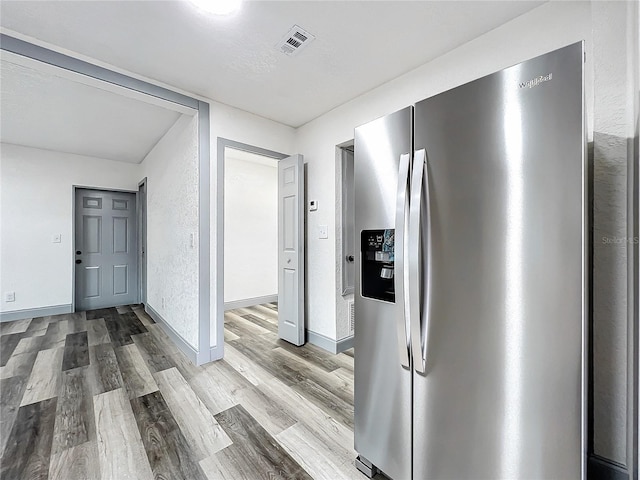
{"x": 352, "y": 316}
{"x": 300, "y": 36}
{"x": 295, "y": 40}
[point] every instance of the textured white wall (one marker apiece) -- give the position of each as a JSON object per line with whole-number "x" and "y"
{"x": 237, "y": 125}
{"x": 562, "y": 23}
{"x": 171, "y": 169}
{"x": 250, "y": 229}
{"x": 36, "y": 201}
{"x": 614, "y": 58}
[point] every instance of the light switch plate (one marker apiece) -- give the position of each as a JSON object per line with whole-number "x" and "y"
{"x": 313, "y": 205}
{"x": 323, "y": 231}
{"x": 57, "y": 238}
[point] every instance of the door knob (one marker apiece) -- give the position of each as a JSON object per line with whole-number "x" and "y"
{"x": 78, "y": 252}
{"x": 350, "y": 258}
{"x": 78, "y": 261}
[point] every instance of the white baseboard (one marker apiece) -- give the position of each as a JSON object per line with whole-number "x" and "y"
{"x": 216, "y": 352}
{"x": 328, "y": 344}
{"x": 344, "y": 344}
{"x": 35, "y": 312}
{"x": 181, "y": 343}
{"x": 250, "y": 302}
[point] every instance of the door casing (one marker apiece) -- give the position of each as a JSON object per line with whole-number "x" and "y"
{"x": 217, "y": 352}
{"x": 141, "y": 202}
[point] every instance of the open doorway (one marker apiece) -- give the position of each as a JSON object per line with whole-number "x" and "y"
{"x": 261, "y": 243}
{"x": 345, "y": 217}
{"x": 250, "y": 229}
{"x": 59, "y": 126}
{"x": 249, "y": 294}
{"x": 250, "y": 253}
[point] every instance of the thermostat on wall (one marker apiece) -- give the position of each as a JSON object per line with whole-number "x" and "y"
{"x": 313, "y": 205}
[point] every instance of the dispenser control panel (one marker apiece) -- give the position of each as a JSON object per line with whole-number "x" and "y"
{"x": 377, "y": 265}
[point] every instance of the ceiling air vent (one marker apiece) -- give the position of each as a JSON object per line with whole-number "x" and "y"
{"x": 295, "y": 40}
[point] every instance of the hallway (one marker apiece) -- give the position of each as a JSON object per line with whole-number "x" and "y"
{"x": 105, "y": 394}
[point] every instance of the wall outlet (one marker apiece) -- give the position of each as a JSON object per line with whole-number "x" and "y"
{"x": 56, "y": 238}
{"x": 10, "y": 296}
{"x": 323, "y": 231}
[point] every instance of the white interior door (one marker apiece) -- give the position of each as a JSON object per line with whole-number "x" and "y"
{"x": 291, "y": 249}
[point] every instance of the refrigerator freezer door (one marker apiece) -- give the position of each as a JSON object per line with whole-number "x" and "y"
{"x": 501, "y": 397}
{"x": 382, "y": 386}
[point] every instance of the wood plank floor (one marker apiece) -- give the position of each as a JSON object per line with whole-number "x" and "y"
{"x": 105, "y": 394}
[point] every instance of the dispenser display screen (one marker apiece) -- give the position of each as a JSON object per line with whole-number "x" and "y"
{"x": 377, "y": 266}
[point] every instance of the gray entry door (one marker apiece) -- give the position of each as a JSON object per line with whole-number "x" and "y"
{"x": 106, "y": 259}
{"x": 291, "y": 249}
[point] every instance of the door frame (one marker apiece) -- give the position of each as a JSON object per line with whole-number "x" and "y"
{"x": 72, "y": 64}
{"x": 73, "y": 233}
{"x": 217, "y": 351}
{"x": 341, "y": 150}
{"x": 141, "y": 212}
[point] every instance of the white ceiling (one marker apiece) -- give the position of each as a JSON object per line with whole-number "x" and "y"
{"x": 45, "y": 107}
{"x": 359, "y": 44}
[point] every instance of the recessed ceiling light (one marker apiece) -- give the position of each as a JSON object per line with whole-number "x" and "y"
{"x": 217, "y": 7}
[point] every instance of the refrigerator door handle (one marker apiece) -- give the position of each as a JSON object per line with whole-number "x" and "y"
{"x": 417, "y": 258}
{"x": 400, "y": 278}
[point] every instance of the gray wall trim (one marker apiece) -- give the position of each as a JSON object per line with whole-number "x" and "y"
{"x": 249, "y": 148}
{"x": 35, "y": 312}
{"x": 250, "y": 302}
{"x": 180, "y": 342}
{"x": 599, "y": 468}
{"x": 104, "y": 189}
{"x": 36, "y": 52}
{"x": 204, "y": 232}
{"x": 344, "y": 344}
{"x": 51, "y": 57}
{"x": 222, "y": 143}
{"x": 328, "y": 344}
{"x": 142, "y": 241}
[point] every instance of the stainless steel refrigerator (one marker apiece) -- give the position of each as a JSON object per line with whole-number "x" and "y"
{"x": 470, "y": 301}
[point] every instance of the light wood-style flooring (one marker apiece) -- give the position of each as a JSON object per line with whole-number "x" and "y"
{"x": 105, "y": 394}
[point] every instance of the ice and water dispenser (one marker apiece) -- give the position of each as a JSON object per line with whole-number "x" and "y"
{"x": 378, "y": 264}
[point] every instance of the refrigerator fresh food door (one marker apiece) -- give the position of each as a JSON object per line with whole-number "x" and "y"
{"x": 382, "y": 386}
{"x": 504, "y": 297}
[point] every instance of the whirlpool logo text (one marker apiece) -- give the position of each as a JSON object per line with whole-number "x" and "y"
{"x": 536, "y": 81}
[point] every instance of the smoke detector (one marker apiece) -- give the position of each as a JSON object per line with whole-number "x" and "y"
{"x": 295, "y": 40}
